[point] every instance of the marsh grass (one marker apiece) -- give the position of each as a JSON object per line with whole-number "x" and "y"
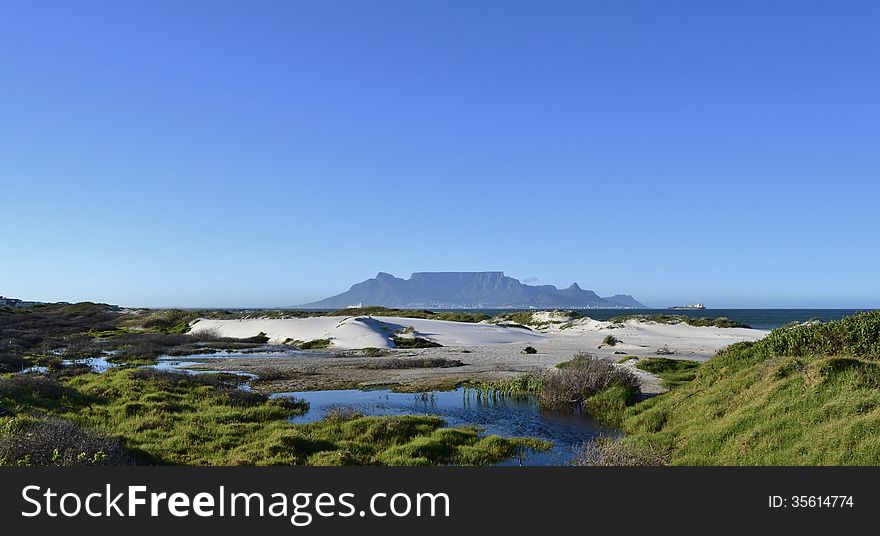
{"x": 157, "y": 417}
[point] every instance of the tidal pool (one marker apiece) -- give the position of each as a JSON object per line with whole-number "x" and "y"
{"x": 503, "y": 415}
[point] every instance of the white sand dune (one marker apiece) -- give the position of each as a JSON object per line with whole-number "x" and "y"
{"x": 635, "y": 337}
{"x": 363, "y": 332}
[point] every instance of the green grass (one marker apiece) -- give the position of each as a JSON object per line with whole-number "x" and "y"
{"x": 176, "y": 419}
{"x": 673, "y": 372}
{"x": 626, "y": 358}
{"x": 609, "y": 405}
{"x": 802, "y": 396}
{"x": 610, "y": 340}
{"x": 524, "y": 384}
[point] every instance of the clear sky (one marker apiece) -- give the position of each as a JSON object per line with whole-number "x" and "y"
{"x": 209, "y": 153}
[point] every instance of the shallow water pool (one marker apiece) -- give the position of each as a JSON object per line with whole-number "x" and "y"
{"x": 504, "y": 416}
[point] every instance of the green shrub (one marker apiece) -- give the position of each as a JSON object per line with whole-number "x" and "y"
{"x": 610, "y": 340}
{"x": 529, "y": 350}
{"x": 414, "y": 342}
{"x": 584, "y": 377}
{"x": 316, "y": 344}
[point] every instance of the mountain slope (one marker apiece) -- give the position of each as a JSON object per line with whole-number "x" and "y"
{"x": 454, "y": 290}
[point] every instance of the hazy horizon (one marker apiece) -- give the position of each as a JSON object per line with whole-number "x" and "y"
{"x": 229, "y": 155}
{"x": 840, "y": 304}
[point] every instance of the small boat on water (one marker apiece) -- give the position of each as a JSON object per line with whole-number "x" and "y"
{"x": 691, "y": 307}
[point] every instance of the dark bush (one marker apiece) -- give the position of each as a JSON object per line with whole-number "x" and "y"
{"x": 67, "y": 371}
{"x": 53, "y": 441}
{"x": 12, "y": 362}
{"x": 414, "y": 342}
{"x": 240, "y": 397}
{"x": 290, "y": 403}
{"x": 31, "y": 387}
{"x": 317, "y": 344}
{"x": 583, "y": 377}
{"x": 606, "y": 451}
{"x": 529, "y": 350}
{"x": 610, "y": 340}
{"x": 427, "y": 362}
{"x": 176, "y": 378}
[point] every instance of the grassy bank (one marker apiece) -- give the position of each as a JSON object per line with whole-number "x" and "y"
{"x": 807, "y": 395}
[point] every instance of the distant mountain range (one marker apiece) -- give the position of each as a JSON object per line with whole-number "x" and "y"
{"x": 468, "y": 290}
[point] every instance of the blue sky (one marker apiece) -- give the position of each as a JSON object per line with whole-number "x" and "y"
{"x": 272, "y": 153}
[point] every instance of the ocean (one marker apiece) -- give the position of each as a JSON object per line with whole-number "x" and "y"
{"x": 756, "y": 318}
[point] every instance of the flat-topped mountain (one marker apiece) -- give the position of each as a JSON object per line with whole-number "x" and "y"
{"x": 468, "y": 290}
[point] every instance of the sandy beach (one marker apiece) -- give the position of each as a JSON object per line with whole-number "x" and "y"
{"x": 488, "y": 351}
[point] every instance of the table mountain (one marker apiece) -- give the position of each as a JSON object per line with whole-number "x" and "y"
{"x": 468, "y": 290}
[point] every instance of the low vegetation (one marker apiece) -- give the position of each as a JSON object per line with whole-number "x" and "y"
{"x": 411, "y": 363}
{"x": 529, "y": 350}
{"x": 716, "y": 322}
{"x": 607, "y": 451}
{"x": 69, "y": 415}
{"x": 610, "y": 340}
{"x": 804, "y": 395}
{"x": 54, "y": 441}
{"x": 586, "y": 382}
{"x": 584, "y": 377}
{"x": 414, "y": 342}
{"x": 315, "y": 344}
{"x": 673, "y": 372}
{"x": 155, "y": 417}
{"x": 534, "y": 318}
